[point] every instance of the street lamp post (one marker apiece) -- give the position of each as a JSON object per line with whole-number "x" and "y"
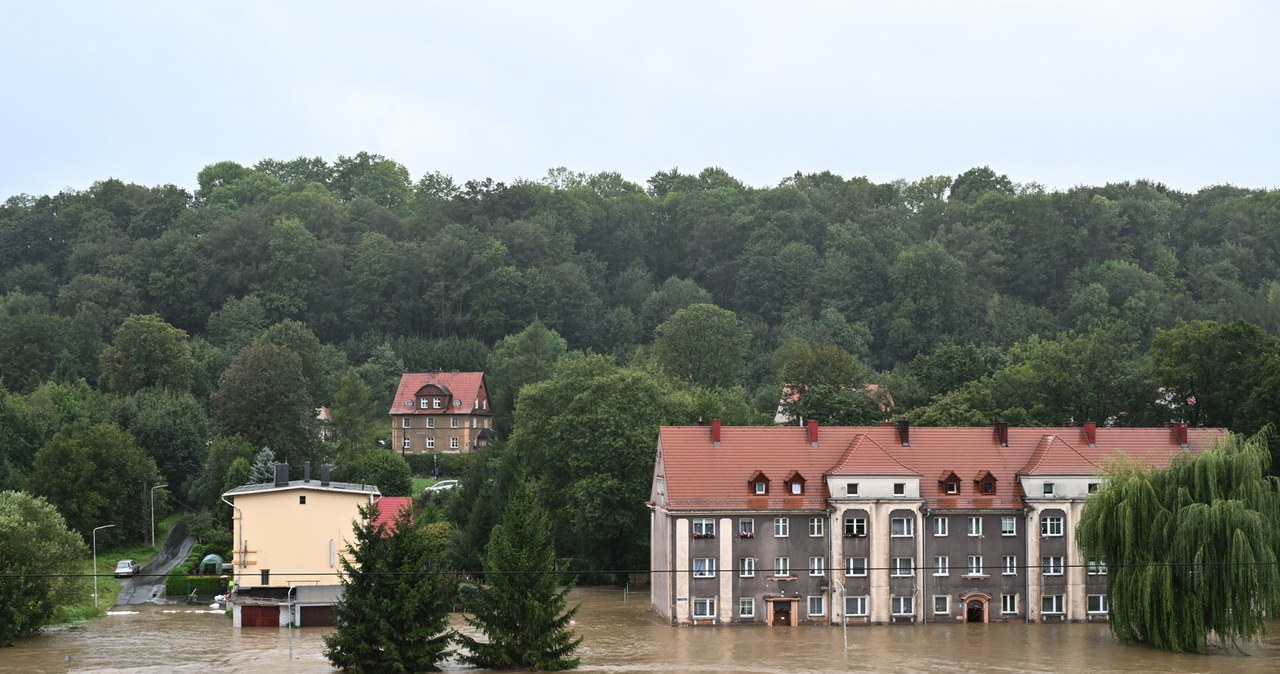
{"x": 95, "y": 562}
{"x": 153, "y": 513}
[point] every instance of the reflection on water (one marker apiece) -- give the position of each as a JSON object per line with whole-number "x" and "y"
{"x": 623, "y": 636}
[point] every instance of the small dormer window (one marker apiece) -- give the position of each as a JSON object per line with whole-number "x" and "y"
{"x": 797, "y": 487}
{"x": 761, "y": 488}
{"x": 986, "y": 482}
{"x": 424, "y": 403}
{"x": 437, "y": 403}
{"x": 952, "y": 487}
{"x": 988, "y": 486}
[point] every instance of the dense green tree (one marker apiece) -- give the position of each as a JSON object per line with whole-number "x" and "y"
{"x": 356, "y": 417}
{"x": 171, "y": 428}
{"x": 384, "y": 468}
{"x": 522, "y": 607}
{"x": 207, "y": 486}
{"x": 262, "y": 397}
{"x": 262, "y": 470}
{"x": 703, "y": 344}
{"x": 314, "y": 356}
{"x": 1191, "y": 550}
{"x": 95, "y": 474}
{"x": 237, "y": 322}
{"x": 147, "y": 351}
{"x": 39, "y": 555}
{"x": 286, "y": 275}
{"x": 32, "y": 341}
{"x": 394, "y": 613}
{"x": 523, "y": 358}
{"x": 1210, "y": 369}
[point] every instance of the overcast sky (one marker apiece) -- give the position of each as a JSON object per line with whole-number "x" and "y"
{"x": 1061, "y": 92}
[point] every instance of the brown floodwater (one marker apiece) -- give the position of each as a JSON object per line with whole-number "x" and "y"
{"x": 622, "y": 635}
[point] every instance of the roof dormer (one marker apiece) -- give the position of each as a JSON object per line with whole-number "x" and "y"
{"x": 794, "y": 483}
{"x": 949, "y": 482}
{"x": 758, "y": 483}
{"x": 985, "y": 482}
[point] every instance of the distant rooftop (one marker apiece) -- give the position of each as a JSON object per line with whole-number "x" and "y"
{"x": 305, "y": 484}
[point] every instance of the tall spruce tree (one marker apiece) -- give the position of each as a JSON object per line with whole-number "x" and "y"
{"x": 522, "y": 609}
{"x": 1191, "y": 550}
{"x": 394, "y": 613}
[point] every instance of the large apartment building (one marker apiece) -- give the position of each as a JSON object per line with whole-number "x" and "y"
{"x": 793, "y": 525}
{"x": 441, "y": 412}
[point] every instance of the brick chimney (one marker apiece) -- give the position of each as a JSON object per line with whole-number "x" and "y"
{"x": 1180, "y": 432}
{"x": 1002, "y": 433}
{"x": 813, "y": 432}
{"x": 715, "y": 431}
{"x": 1091, "y": 432}
{"x": 904, "y": 432}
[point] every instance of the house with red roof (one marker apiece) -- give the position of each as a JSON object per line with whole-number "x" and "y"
{"x": 437, "y": 412}
{"x": 885, "y": 524}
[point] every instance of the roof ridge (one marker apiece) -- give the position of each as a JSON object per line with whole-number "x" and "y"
{"x": 1047, "y": 443}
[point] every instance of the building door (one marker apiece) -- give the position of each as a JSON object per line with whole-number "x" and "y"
{"x": 782, "y": 612}
{"x": 316, "y": 616}
{"x": 260, "y": 616}
{"x": 975, "y": 611}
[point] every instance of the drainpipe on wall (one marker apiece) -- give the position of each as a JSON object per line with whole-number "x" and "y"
{"x": 235, "y": 568}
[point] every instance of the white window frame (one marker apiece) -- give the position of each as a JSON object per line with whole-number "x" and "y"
{"x": 781, "y": 527}
{"x": 1051, "y": 526}
{"x": 453, "y": 442}
{"x": 703, "y": 527}
{"x": 941, "y": 565}
{"x": 431, "y": 442}
{"x": 797, "y": 488}
{"x": 431, "y": 422}
{"x": 903, "y": 605}
{"x": 858, "y": 526}
{"x": 851, "y": 489}
{"x": 899, "y": 488}
{"x": 951, "y": 487}
{"x": 817, "y": 566}
{"x": 747, "y": 607}
{"x": 1096, "y": 568}
{"x": 1009, "y": 604}
{"x": 975, "y": 525}
{"x": 404, "y": 423}
{"x": 405, "y": 444}
{"x": 747, "y": 527}
{"x": 761, "y": 488}
{"x": 1103, "y": 604}
{"x": 941, "y": 526}
{"x": 1010, "y": 565}
{"x": 704, "y": 608}
{"x": 942, "y": 601}
{"x": 437, "y": 403}
{"x": 1008, "y": 525}
{"x": 424, "y": 403}
{"x": 975, "y": 565}
{"x": 816, "y": 527}
{"x": 902, "y": 527}
{"x": 1052, "y": 565}
{"x": 1048, "y": 489}
{"x": 704, "y": 567}
{"x": 903, "y": 567}
{"x": 746, "y": 567}
{"x": 856, "y": 606}
{"x": 782, "y": 566}
{"x": 455, "y": 422}
{"x": 1052, "y": 604}
{"x": 853, "y": 569}
{"x": 820, "y": 600}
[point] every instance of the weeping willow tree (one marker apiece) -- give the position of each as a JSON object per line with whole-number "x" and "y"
{"x": 1191, "y": 550}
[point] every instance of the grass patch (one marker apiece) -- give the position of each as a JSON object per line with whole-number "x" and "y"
{"x": 108, "y": 586}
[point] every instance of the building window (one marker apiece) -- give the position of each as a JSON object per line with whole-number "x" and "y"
{"x": 704, "y": 567}
{"x": 817, "y": 605}
{"x": 782, "y": 566}
{"x": 781, "y": 527}
{"x": 941, "y": 526}
{"x": 747, "y": 567}
{"x": 1096, "y": 568}
{"x": 405, "y": 442}
{"x": 902, "y": 527}
{"x": 431, "y": 422}
{"x": 1048, "y": 489}
{"x": 855, "y": 606}
{"x": 1010, "y": 565}
{"x": 1052, "y": 566}
{"x": 797, "y": 487}
{"x": 975, "y": 565}
{"x": 952, "y": 487}
{"x": 302, "y": 500}
{"x": 1098, "y": 603}
{"x": 454, "y": 422}
{"x": 1008, "y": 604}
{"x": 746, "y": 528}
{"x": 975, "y": 526}
{"x": 817, "y": 566}
{"x": 851, "y": 489}
{"x": 988, "y": 487}
{"x": 704, "y": 607}
{"x": 761, "y": 488}
{"x": 704, "y": 527}
{"x": 903, "y": 566}
{"x": 431, "y": 443}
{"x": 1050, "y": 526}
{"x": 904, "y": 605}
{"x": 1051, "y": 604}
{"x": 855, "y": 566}
{"x": 404, "y": 423}
{"x": 436, "y": 403}
{"x": 899, "y": 488}
{"x": 747, "y": 607}
{"x": 1093, "y": 487}
{"x": 453, "y": 443}
{"x": 941, "y": 604}
{"x": 816, "y": 527}
{"x": 855, "y": 526}
{"x": 424, "y": 404}
{"x": 941, "y": 565}
{"x": 1008, "y": 526}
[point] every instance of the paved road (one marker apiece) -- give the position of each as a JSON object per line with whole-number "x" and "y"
{"x": 148, "y": 585}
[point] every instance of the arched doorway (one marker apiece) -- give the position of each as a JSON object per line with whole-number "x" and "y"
{"x": 976, "y": 605}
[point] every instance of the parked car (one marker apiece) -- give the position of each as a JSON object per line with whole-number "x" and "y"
{"x": 127, "y": 567}
{"x": 441, "y": 486}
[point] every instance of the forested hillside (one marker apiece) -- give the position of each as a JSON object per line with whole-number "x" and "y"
{"x": 234, "y": 311}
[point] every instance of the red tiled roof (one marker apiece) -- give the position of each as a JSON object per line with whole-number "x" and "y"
{"x": 388, "y": 508}
{"x": 465, "y": 386}
{"x": 700, "y": 476}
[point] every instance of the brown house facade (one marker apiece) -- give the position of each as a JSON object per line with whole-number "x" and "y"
{"x": 441, "y": 412}
{"x": 884, "y": 524}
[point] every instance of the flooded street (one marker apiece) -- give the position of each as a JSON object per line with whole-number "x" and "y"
{"x": 626, "y": 637}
